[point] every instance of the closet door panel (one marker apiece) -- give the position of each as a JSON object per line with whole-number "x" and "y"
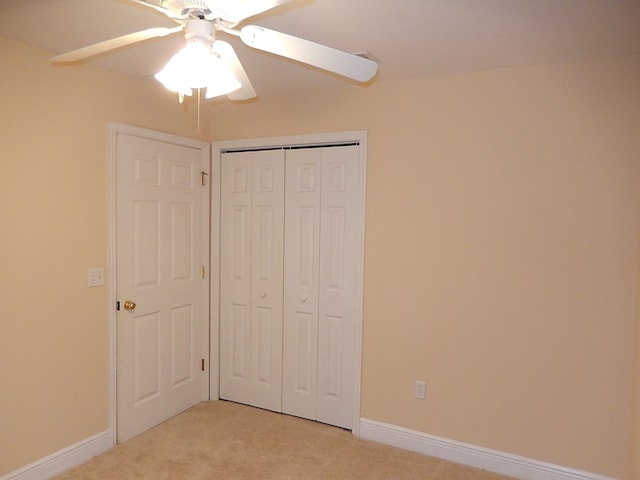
{"x": 235, "y": 273}
{"x": 337, "y": 285}
{"x": 267, "y": 277}
{"x": 252, "y": 215}
{"x": 302, "y": 235}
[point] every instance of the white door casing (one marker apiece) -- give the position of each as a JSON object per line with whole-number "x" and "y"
{"x": 251, "y": 214}
{"x": 161, "y": 230}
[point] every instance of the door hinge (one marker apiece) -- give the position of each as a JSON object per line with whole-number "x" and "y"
{"x": 202, "y": 364}
{"x": 203, "y": 176}
{"x": 202, "y": 272}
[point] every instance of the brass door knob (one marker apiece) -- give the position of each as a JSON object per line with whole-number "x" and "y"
{"x": 129, "y": 305}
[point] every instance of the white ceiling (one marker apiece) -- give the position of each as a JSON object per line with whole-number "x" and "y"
{"x": 410, "y": 38}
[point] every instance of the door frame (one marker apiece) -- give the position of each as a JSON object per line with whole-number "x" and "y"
{"x": 115, "y": 129}
{"x": 311, "y": 140}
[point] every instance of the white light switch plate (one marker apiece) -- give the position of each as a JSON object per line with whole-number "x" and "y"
{"x": 95, "y": 277}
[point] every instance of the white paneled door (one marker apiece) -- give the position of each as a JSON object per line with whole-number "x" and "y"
{"x": 160, "y": 251}
{"x": 290, "y": 285}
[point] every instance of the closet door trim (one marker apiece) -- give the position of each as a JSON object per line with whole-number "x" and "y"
{"x": 297, "y": 141}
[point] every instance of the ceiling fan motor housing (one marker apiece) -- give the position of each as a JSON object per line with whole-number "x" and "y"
{"x": 199, "y": 31}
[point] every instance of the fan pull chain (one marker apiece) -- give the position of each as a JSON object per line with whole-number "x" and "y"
{"x": 199, "y": 102}
{"x": 181, "y": 101}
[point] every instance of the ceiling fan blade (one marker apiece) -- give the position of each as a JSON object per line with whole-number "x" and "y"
{"x": 346, "y": 64}
{"x": 225, "y": 50}
{"x": 101, "y": 47}
{"x": 235, "y": 11}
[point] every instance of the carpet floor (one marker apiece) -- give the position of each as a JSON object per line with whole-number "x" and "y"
{"x": 224, "y": 440}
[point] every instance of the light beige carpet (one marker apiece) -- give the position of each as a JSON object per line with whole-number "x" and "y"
{"x": 224, "y": 440}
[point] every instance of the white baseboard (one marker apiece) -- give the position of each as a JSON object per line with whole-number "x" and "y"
{"x": 459, "y": 452}
{"x": 491, "y": 460}
{"x": 64, "y": 459}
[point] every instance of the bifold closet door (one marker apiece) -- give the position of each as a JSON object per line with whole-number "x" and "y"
{"x": 320, "y": 293}
{"x": 251, "y": 277}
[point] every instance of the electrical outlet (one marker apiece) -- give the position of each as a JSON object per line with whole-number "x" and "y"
{"x": 420, "y": 390}
{"x": 95, "y": 277}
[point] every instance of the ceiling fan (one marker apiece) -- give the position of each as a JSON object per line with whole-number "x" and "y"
{"x": 217, "y": 67}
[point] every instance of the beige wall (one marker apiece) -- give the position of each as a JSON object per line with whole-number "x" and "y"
{"x": 53, "y": 227}
{"x": 501, "y": 249}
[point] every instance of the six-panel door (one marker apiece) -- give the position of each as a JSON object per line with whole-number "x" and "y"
{"x": 160, "y": 251}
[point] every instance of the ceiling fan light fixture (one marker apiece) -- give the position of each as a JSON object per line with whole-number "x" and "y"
{"x": 196, "y": 66}
{"x": 223, "y": 86}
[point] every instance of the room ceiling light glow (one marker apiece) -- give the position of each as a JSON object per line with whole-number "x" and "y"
{"x": 197, "y": 66}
